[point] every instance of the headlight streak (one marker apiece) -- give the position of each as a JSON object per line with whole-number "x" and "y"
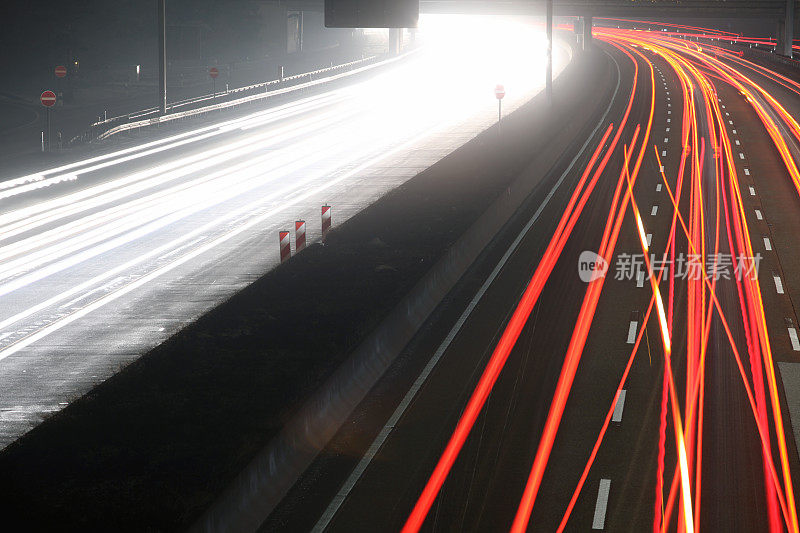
{"x": 142, "y": 196}
{"x": 254, "y": 213}
{"x": 169, "y": 143}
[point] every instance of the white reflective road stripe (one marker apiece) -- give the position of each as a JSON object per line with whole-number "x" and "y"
{"x": 778, "y": 283}
{"x": 632, "y": 331}
{"x": 617, "y": 416}
{"x": 599, "y": 521}
{"x": 795, "y": 342}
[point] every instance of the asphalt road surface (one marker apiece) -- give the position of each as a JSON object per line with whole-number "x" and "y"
{"x": 372, "y": 475}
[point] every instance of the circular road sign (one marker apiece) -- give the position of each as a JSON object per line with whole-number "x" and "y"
{"x": 61, "y": 71}
{"x": 48, "y": 98}
{"x": 499, "y": 91}
{"x": 213, "y": 72}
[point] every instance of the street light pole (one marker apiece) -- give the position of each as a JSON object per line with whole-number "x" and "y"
{"x": 162, "y": 57}
{"x": 548, "y": 88}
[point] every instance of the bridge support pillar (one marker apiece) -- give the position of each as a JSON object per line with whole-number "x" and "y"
{"x": 786, "y": 31}
{"x": 395, "y": 39}
{"x": 587, "y": 32}
{"x": 294, "y": 32}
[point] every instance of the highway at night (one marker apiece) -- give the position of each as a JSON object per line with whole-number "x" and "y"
{"x": 560, "y": 290}
{"x": 651, "y": 403}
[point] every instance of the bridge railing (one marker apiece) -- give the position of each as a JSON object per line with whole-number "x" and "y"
{"x": 104, "y": 129}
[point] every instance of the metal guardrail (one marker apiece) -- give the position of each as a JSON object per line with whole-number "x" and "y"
{"x": 263, "y": 86}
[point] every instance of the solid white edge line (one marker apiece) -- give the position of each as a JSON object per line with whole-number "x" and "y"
{"x": 376, "y": 445}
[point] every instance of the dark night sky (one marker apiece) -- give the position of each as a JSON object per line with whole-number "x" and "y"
{"x": 102, "y": 33}
{"x": 105, "y": 32}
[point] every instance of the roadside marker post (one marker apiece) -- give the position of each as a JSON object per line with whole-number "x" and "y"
{"x": 299, "y": 235}
{"x": 286, "y": 250}
{"x": 326, "y": 220}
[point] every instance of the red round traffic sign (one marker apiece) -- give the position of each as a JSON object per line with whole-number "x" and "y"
{"x": 61, "y": 71}
{"x": 213, "y": 72}
{"x": 48, "y": 98}
{"x": 499, "y": 91}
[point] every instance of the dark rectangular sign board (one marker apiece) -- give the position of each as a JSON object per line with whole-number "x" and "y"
{"x": 371, "y": 13}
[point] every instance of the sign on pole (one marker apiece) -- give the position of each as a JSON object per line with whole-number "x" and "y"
{"x": 61, "y": 71}
{"x": 48, "y": 98}
{"x": 499, "y": 93}
{"x": 213, "y": 72}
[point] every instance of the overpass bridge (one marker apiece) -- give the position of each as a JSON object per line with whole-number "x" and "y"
{"x": 616, "y": 8}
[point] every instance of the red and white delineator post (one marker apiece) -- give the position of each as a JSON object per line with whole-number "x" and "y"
{"x": 299, "y": 235}
{"x": 326, "y": 219}
{"x": 286, "y": 249}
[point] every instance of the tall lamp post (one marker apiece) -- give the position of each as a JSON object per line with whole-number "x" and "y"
{"x": 162, "y": 57}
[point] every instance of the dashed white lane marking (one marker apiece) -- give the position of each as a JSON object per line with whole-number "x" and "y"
{"x": 759, "y": 216}
{"x": 654, "y": 211}
{"x": 669, "y": 112}
{"x": 778, "y": 283}
{"x": 669, "y": 120}
{"x": 632, "y": 331}
{"x": 618, "y": 407}
{"x": 737, "y": 142}
{"x": 741, "y": 155}
{"x": 599, "y": 520}
{"x": 723, "y": 106}
{"x": 752, "y": 191}
{"x": 767, "y": 244}
{"x": 734, "y": 132}
{"x": 793, "y": 339}
{"x": 666, "y": 140}
{"x": 649, "y": 239}
{"x": 669, "y": 105}
{"x": 663, "y": 153}
{"x": 730, "y": 122}
{"x": 658, "y": 188}
{"x": 639, "y": 280}
{"x": 727, "y": 114}
{"x": 747, "y": 172}
{"x": 667, "y": 129}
